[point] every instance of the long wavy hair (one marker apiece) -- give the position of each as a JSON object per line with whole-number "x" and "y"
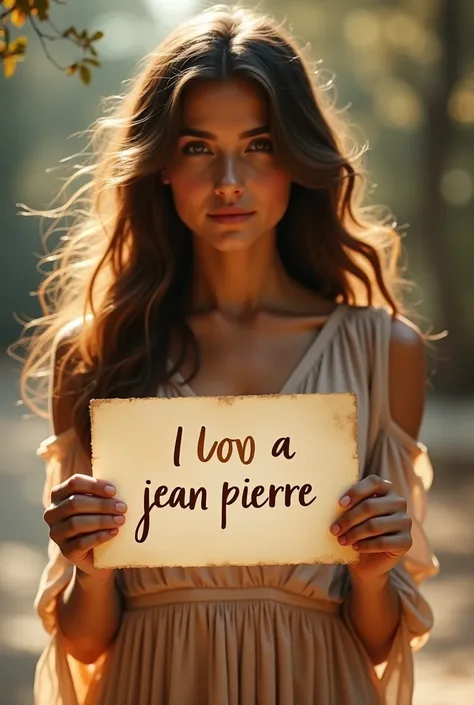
{"x": 125, "y": 264}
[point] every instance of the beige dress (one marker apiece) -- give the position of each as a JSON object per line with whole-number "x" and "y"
{"x": 275, "y": 635}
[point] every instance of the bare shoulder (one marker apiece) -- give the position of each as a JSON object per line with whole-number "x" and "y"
{"x": 407, "y": 348}
{"x": 64, "y": 388}
{"x": 407, "y": 375}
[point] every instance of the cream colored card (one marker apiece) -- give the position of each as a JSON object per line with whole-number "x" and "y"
{"x": 226, "y": 480}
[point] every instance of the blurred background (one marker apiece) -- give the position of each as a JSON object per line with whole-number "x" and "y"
{"x": 405, "y": 70}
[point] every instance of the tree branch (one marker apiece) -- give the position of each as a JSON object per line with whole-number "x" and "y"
{"x": 43, "y": 39}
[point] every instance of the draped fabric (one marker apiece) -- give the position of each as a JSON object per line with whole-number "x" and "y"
{"x": 272, "y": 635}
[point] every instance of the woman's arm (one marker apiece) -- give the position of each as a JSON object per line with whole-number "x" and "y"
{"x": 89, "y": 614}
{"x": 89, "y": 610}
{"x": 375, "y": 613}
{"x": 374, "y": 606}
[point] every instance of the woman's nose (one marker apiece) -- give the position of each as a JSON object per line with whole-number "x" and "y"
{"x": 229, "y": 181}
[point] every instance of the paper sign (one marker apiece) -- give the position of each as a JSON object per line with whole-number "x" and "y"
{"x": 212, "y": 481}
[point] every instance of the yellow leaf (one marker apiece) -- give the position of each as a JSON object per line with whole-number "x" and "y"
{"x": 85, "y": 75}
{"x": 18, "y": 47}
{"x": 2, "y": 46}
{"x": 9, "y": 66}
{"x": 18, "y": 18}
{"x": 9, "y": 4}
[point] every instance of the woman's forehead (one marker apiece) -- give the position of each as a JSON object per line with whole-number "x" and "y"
{"x": 236, "y": 104}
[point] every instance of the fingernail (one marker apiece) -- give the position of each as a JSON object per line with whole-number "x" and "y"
{"x": 110, "y": 489}
{"x": 120, "y": 519}
{"x": 335, "y": 529}
{"x": 120, "y": 506}
{"x": 342, "y": 540}
{"x": 345, "y": 501}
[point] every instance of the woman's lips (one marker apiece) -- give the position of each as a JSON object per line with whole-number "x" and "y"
{"x": 231, "y": 218}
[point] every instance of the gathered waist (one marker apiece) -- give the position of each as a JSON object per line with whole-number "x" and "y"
{"x": 223, "y": 594}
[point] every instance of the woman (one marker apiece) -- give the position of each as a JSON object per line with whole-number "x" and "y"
{"x": 225, "y": 251}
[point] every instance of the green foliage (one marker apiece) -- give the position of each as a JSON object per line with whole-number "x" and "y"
{"x": 18, "y": 13}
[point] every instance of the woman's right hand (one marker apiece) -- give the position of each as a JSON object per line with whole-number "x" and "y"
{"x": 83, "y": 515}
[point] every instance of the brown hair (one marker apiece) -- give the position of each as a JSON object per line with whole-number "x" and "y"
{"x": 125, "y": 265}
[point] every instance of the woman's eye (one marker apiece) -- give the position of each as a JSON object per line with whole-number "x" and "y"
{"x": 261, "y": 145}
{"x": 195, "y": 148}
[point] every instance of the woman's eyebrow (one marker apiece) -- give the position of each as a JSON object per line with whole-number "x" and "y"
{"x": 254, "y": 132}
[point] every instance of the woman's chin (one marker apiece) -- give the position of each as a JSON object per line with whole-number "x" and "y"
{"x": 231, "y": 241}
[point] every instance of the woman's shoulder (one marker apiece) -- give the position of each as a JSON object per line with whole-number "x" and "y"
{"x": 395, "y": 351}
{"x": 396, "y": 328}
{"x": 384, "y": 343}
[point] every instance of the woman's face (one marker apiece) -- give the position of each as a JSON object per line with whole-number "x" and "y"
{"x": 227, "y": 185}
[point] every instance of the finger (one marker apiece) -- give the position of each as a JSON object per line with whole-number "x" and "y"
{"x": 77, "y": 549}
{"x": 79, "y": 525}
{"x": 367, "y": 509}
{"x": 81, "y": 484}
{"x": 392, "y": 544}
{"x": 367, "y": 487}
{"x": 376, "y": 526}
{"x": 77, "y": 504}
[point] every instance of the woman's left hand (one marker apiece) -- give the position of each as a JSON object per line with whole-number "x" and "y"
{"x": 375, "y": 524}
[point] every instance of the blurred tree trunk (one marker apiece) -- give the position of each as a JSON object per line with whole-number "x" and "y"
{"x": 455, "y": 372}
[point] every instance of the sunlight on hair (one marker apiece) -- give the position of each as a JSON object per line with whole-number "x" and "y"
{"x": 126, "y": 249}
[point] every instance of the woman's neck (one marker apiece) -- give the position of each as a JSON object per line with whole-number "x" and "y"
{"x": 240, "y": 283}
